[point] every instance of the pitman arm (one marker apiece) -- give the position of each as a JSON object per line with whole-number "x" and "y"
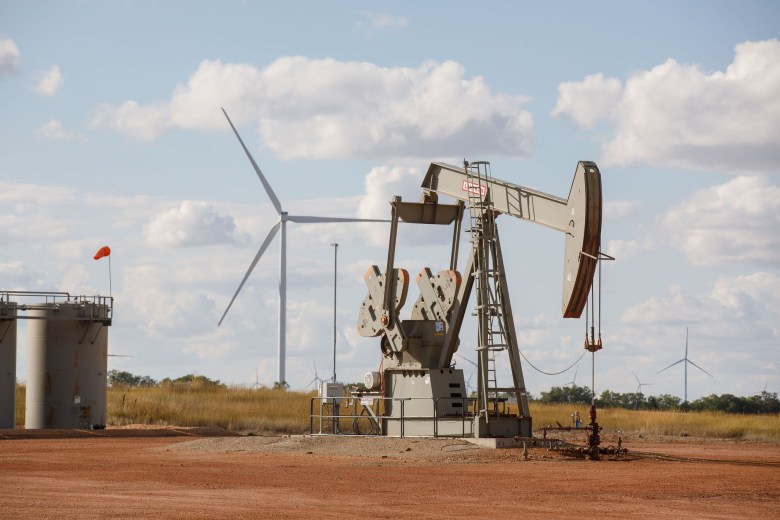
{"x": 579, "y": 217}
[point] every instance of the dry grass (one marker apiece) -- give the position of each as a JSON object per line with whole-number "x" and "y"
{"x": 645, "y": 422}
{"x": 232, "y": 408}
{"x": 267, "y": 410}
{"x": 20, "y": 400}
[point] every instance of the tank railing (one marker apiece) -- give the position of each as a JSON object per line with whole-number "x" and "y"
{"x": 52, "y": 299}
{"x": 54, "y": 296}
{"x": 333, "y": 421}
{"x": 51, "y": 296}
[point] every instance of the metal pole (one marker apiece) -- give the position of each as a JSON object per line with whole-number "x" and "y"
{"x": 335, "y": 271}
{"x": 686, "y": 364}
{"x": 593, "y": 377}
{"x": 110, "y": 290}
{"x": 282, "y": 304}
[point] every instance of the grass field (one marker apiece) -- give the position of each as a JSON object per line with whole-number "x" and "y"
{"x": 645, "y": 422}
{"x": 267, "y": 410}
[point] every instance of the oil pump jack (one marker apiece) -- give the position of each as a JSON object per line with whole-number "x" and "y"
{"x": 422, "y": 393}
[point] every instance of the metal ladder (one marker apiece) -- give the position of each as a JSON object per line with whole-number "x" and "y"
{"x": 489, "y": 308}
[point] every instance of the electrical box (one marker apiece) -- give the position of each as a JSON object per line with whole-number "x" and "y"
{"x": 329, "y": 390}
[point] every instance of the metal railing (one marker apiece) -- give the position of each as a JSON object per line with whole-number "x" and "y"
{"x": 101, "y": 308}
{"x": 376, "y": 417}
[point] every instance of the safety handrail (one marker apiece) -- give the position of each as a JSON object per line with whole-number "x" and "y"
{"x": 334, "y": 418}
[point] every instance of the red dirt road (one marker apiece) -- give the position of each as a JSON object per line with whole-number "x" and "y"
{"x": 178, "y": 477}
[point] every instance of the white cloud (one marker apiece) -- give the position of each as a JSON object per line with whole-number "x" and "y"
{"x": 129, "y": 118}
{"x": 53, "y": 130}
{"x": 49, "y": 82}
{"x": 33, "y": 227}
{"x": 752, "y": 297}
{"x": 10, "y": 57}
{"x": 741, "y": 308}
{"x": 381, "y": 184}
{"x": 23, "y": 197}
{"x": 162, "y": 304}
{"x": 681, "y": 116}
{"x": 193, "y": 223}
{"x": 734, "y": 222}
{"x": 15, "y": 277}
{"x": 538, "y": 332}
{"x": 307, "y": 108}
{"x": 622, "y": 249}
{"x": 77, "y": 278}
{"x": 621, "y": 209}
{"x": 381, "y": 21}
{"x": 602, "y": 95}
{"x": 36, "y": 215}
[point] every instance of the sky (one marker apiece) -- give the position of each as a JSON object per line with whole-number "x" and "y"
{"x": 112, "y": 134}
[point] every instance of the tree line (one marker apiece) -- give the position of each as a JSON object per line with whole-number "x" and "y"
{"x": 121, "y": 378}
{"x": 764, "y": 402}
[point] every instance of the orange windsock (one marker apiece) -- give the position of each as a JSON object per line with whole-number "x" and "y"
{"x": 103, "y": 251}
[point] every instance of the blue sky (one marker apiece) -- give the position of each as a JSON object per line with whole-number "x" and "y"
{"x": 111, "y": 133}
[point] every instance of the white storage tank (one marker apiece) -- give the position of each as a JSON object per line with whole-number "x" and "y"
{"x": 7, "y": 364}
{"x": 67, "y": 358}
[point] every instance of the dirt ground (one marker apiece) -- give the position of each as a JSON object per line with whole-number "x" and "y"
{"x": 196, "y": 473}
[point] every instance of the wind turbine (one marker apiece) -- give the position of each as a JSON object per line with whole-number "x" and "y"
{"x": 469, "y": 388}
{"x": 573, "y": 382}
{"x": 284, "y": 217}
{"x": 762, "y": 392}
{"x": 640, "y": 384}
{"x": 256, "y": 384}
{"x": 686, "y": 360}
{"x": 316, "y": 380}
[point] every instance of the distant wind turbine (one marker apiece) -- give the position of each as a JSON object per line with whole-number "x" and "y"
{"x": 573, "y": 382}
{"x": 640, "y": 384}
{"x": 762, "y": 391}
{"x": 282, "y": 223}
{"x": 316, "y": 380}
{"x": 256, "y": 384}
{"x": 469, "y": 388}
{"x": 686, "y": 361}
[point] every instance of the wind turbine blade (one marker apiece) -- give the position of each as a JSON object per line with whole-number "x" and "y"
{"x": 670, "y": 366}
{"x": 303, "y": 219}
{"x": 467, "y": 360}
{"x": 260, "y": 252}
{"x": 700, "y": 368}
{"x": 637, "y": 379}
{"x": 271, "y": 194}
{"x": 469, "y": 388}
